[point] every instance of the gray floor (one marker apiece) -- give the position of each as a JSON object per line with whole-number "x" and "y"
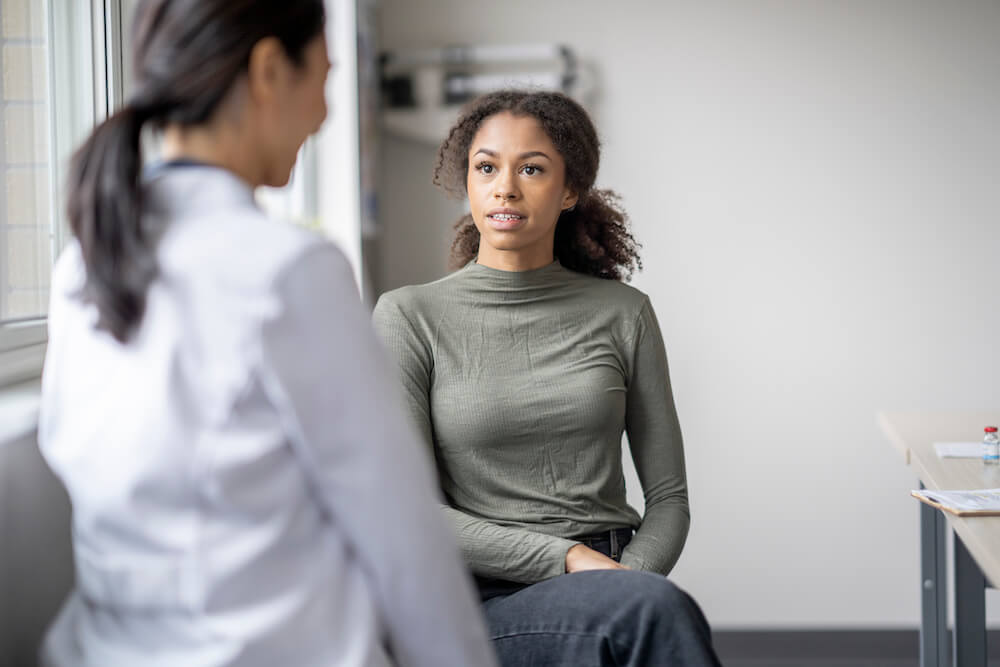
{"x": 805, "y": 662}
{"x": 819, "y": 662}
{"x": 833, "y": 648}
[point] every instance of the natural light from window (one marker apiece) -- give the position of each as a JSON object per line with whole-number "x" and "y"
{"x": 26, "y": 238}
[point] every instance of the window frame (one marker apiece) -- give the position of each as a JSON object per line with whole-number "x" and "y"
{"x": 23, "y": 342}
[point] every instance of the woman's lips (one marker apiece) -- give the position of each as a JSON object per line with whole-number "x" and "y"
{"x": 505, "y": 222}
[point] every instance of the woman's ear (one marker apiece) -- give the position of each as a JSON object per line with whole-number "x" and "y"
{"x": 267, "y": 68}
{"x": 569, "y": 199}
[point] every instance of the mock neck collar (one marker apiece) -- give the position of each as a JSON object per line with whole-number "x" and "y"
{"x": 539, "y": 277}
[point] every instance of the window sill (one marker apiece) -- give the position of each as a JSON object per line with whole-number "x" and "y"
{"x": 19, "y": 410}
{"x": 22, "y": 351}
{"x": 21, "y": 365}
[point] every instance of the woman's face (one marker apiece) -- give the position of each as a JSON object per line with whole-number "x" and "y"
{"x": 299, "y": 109}
{"x": 517, "y": 189}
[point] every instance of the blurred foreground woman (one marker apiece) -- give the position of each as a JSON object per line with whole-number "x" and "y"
{"x": 244, "y": 490}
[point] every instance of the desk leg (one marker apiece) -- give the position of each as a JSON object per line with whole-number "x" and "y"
{"x": 934, "y": 594}
{"x": 970, "y": 609}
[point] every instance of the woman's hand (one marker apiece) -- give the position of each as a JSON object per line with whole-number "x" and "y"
{"x": 581, "y": 557}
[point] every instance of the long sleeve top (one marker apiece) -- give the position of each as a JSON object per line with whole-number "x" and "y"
{"x": 245, "y": 490}
{"x": 522, "y": 384}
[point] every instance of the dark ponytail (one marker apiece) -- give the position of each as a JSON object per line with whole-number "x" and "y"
{"x": 105, "y": 214}
{"x": 187, "y": 54}
{"x": 593, "y": 237}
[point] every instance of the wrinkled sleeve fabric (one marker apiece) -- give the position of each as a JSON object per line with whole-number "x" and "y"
{"x": 323, "y": 368}
{"x": 490, "y": 550}
{"x": 657, "y": 449}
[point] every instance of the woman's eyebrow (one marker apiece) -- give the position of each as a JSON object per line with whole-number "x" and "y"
{"x": 522, "y": 156}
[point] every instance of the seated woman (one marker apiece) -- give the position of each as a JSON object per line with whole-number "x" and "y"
{"x": 522, "y": 370}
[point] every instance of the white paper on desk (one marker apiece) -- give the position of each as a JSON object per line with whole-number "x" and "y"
{"x": 976, "y": 499}
{"x": 959, "y": 450}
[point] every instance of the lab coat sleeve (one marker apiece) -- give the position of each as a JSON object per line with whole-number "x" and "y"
{"x": 324, "y": 369}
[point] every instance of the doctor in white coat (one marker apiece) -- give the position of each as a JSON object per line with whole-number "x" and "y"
{"x": 245, "y": 488}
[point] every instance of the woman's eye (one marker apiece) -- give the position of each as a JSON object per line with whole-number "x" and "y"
{"x": 531, "y": 170}
{"x": 485, "y": 168}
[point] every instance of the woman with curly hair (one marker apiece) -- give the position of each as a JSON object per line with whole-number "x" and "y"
{"x": 522, "y": 370}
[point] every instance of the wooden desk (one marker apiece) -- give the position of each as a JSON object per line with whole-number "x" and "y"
{"x": 976, "y": 539}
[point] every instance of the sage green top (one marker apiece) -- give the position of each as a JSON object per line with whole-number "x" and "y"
{"x": 522, "y": 383}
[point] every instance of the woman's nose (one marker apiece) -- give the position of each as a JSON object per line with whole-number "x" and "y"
{"x": 506, "y": 190}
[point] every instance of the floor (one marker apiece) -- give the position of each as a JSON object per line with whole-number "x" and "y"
{"x": 833, "y": 648}
{"x": 819, "y": 662}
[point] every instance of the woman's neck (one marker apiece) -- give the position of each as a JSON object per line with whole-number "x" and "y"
{"x": 218, "y": 145}
{"x": 514, "y": 260}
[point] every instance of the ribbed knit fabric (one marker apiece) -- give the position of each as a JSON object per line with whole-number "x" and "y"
{"x": 522, "y": 384}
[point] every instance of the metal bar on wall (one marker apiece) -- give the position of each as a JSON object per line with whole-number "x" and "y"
{"x": 4, "y": 259}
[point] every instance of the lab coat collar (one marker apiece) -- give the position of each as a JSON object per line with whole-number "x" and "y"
{"x": 180, "y": 187}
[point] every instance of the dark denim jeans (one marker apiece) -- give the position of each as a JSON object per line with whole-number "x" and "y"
{"x": 596, "y": 619}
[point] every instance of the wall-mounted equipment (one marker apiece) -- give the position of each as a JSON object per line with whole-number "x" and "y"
{"x": 423, "y": 89}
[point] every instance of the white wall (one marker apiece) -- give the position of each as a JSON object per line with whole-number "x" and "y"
{"x": 815, "y": 186}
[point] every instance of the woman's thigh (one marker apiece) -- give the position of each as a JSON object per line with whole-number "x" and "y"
{"x": 604, "y": 617}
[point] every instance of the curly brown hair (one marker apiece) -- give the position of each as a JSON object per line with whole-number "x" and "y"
{"x": 593, "y": 237}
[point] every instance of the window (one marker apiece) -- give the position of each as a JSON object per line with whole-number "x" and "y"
{"x": 296, "y": 202}
{"x": 54, "y": 82}
{"x": 61, "y": 70}
{"x": 26, "y": 230}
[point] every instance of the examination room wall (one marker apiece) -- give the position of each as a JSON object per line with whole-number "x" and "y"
{"x": 815, "y": 188}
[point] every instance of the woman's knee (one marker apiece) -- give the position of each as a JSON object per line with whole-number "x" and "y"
{"x": 638, "y": 616}
{"x": 648, "y": 617}
{"x": 655, "y": 593}
{"x": 634, "y": 592}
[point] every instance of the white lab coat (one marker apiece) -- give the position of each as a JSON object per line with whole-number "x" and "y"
{"x": 245, "y": 489}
